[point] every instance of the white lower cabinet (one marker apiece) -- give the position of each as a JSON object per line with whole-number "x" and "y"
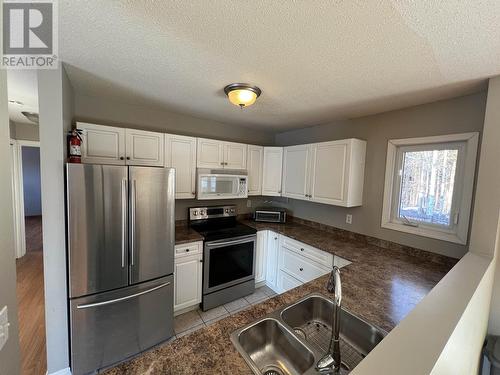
{"x": 291, "y": 263}
{"x": 260, "y": 257}
{"x": 287, "y": 282}
{"x": 340, "y": 262}
{"x": 272, "y": 259}
{"x": 299, "y": 266}
{"x": 188, "y": 271}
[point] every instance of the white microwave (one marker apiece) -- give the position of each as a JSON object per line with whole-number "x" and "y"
{"x": 221, "y": 184}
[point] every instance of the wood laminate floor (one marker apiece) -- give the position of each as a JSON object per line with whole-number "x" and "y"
{"x": 30, "y": 298}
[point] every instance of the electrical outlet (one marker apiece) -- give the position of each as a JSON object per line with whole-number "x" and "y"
{"x": 249, "y": 203}
{"x": 4, "y": 327}
{"x": 348, "y": 219}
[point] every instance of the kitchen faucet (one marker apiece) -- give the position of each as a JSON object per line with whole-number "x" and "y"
{"x": 330, "y": 363}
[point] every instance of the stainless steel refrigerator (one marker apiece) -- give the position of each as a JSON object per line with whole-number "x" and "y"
{"x": 121, "y": 237}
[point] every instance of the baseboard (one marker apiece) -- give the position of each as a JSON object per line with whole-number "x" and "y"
{"x": 260, "y": 283}
{"x": 64, "y": 371}
{"x": 185, "y": 310}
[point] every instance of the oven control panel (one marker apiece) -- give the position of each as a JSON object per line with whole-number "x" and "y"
{"x": 201, "y": 213}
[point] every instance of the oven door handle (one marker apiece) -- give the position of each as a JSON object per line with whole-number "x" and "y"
{"x": 234, "y": 242}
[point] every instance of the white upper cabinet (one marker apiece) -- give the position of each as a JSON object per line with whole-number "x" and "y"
{"x": 102, "y": 144}
{"x": 296, "y": 171}
{"x": 144, "y": 148}
{"x": 180, "y": 153}
{"x": 219, "y": 154}
{"x": 111, "y": 145}
{"x": 326, "y": 172}
{"x": 235, "y": 155}
{"x": 254, "y": 167}
{"x": 210, "y": 153}
{"x": 271, "y": 171}
{"x": 338, "y": 170}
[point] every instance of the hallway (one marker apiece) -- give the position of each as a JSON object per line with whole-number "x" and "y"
{"x": 30, "y": 297}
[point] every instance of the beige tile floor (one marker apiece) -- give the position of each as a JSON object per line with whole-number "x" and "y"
{"x": 193, "y": 320}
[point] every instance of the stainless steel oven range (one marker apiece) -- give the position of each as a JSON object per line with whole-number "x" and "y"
{"x": 228, "y": 254}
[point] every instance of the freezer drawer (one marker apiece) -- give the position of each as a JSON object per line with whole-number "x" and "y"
{"x": 112, "y": 326}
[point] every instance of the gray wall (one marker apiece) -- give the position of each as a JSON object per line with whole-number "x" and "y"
{"x": 55, "y": 97}
{"x": 27, "y": 132}
{"x": 486, "y": 225}
{"x": 458, "y": 115}
{"x": 182, "y": 205}
{"x": 9, "y": 355}
{"x": 31, "y": 181}
{"x": 109, "y": 112}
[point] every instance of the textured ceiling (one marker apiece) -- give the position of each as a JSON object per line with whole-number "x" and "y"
{"x": 315, "y": 61}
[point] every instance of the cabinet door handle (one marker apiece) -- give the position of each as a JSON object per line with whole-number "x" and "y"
{"x": 187, "y": 250}
{"x": 128, "y": 157}
{"x": 301, "y": 249}
{"x": 301, "y": 269}
{"x": 122, "y": 158}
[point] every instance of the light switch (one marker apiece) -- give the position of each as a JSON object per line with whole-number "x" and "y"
{"x": 4, "y": 327}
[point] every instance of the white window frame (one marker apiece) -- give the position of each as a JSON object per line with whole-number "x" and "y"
{"x": 462, "y": 191}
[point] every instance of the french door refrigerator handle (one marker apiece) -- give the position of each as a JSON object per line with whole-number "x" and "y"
{"x": 132, "y": 222}
{"x": 124, "y": 220}
{"x": 111, "y": 301}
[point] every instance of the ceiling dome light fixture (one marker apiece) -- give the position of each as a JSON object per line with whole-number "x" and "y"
{"x": 32, "y": 116}
{"x": 242, "y": 94}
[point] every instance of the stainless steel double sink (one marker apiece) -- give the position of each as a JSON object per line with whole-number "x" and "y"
{"x": 290, "y": 341}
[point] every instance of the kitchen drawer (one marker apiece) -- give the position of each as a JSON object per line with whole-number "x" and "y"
{"x": 187, "y": 249}
{"x": 319, "y": 256}
{"x": 286, "y": 282}
{"x": 300, "y": 267}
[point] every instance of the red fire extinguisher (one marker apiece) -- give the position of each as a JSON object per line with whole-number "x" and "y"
{"x": 74, "y": 146}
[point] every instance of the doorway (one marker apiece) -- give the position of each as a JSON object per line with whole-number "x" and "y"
{"x": 29, "y": 254}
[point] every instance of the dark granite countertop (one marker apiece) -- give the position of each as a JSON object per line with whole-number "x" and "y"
{"x": 184, "y": 234}
{"x": 382, "y": 285}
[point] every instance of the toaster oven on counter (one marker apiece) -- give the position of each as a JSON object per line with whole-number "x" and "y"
{"x": 270, "y": 215}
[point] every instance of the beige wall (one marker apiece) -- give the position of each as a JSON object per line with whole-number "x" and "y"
{"x": 462, "y": 353}
{"x": 447, "y": 337}
{"x": 488, "y": 195}
{"x": 27, "y": 132}
{"x": 9, "y": 355}
{"x": 464, "y": 114}
{"x": 115, "y": 113}
{"x": 56, "y": 111}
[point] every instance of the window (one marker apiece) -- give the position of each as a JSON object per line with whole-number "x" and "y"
{"x": 428, "y": 185}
